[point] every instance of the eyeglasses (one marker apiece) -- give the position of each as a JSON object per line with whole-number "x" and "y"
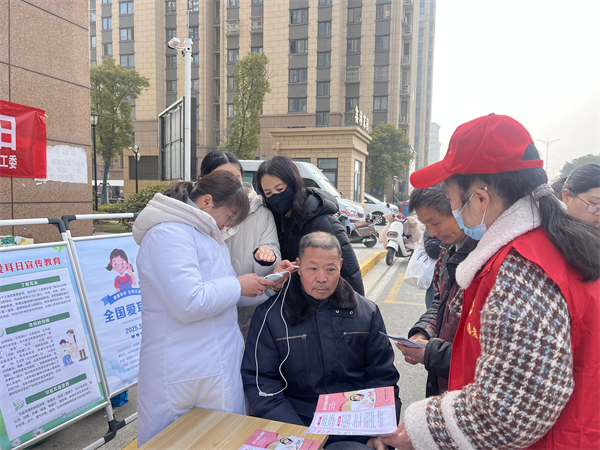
{"x": 592, "y": 208}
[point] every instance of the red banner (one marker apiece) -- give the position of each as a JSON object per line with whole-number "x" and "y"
{"x": 22, "y": 141}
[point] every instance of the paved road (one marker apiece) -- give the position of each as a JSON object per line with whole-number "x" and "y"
{"x": 400, "y": 304}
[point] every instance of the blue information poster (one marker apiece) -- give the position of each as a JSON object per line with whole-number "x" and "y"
{"x": 48, "y": 372}
{"x": 110, "y": 282}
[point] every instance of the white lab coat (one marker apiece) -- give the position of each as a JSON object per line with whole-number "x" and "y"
{"x": 191, "y": 348}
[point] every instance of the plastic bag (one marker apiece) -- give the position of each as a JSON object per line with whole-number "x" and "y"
{"x": 419, "y": 272}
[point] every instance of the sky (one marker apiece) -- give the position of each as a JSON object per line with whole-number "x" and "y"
{"x": 537, "y": 61}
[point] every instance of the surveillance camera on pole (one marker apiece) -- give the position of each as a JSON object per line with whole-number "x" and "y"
{"x": 186, "y": 52}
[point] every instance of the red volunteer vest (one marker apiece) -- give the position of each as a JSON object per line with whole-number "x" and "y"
{"x": 578, "y": 426}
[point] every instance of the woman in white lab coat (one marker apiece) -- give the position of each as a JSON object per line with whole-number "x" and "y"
{"x": 192, "y": 347}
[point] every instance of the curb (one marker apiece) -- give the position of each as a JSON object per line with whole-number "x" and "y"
{"x": 370, "y": 262}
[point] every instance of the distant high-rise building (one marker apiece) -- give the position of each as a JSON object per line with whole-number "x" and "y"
{"x": 326, "y": 58}
{"x": 434, "y": 143}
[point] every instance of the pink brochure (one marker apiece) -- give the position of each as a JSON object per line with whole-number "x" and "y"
{"x": 367, "y": 412}
{"x": 262, "y": 439}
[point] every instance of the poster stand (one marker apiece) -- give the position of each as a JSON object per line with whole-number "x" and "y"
{"x": 41, "y": 299}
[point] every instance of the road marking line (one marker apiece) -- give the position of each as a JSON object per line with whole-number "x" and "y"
{"x": 370, "y": 262}
{"x": 395, "y": 289}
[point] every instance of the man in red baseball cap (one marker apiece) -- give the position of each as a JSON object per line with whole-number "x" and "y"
{"x": 526, "y": 357}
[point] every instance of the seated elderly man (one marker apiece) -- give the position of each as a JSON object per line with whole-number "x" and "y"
{"x": 327, "y": 337}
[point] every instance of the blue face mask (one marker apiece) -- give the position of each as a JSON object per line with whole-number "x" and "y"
{"x": 477, "y": 231}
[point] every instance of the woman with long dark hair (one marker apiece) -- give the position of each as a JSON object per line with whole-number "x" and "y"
{"x": 254, "y": 247}
{"x": 300, "y": 210}
{"x": 526, "y": 357}
{"x": 191, "y": 349}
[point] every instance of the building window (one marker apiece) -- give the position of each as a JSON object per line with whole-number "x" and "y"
{"x": 381, "y": 73}
{"x": 193, "y": 33}
{"x": 322, "y": 119}
{"x": 323, "y": 89}
{"x": 329, "y": 167}
{"x": 133, "y": 112}
{"x": 351, "y": 104}
{"x": 324, "y": 28}
{"x": 256, "y": 50}
{"x": 195, "y": 85}
{"x": 107, "y": 23}
{"x": 324, "y": 59}
{"x": 172, "y": 87}
{"x": 380, "y": 103}
{"x": 126, "y": 8}
{"x": 106, "y": 2}
{"x": 126, "y": 34}
{"x": 230, "y": 110}
{"x": 93, "y": 41}
{"x": 297, "y": 75}
{"x": 297, "y": 104}
{"x": 107, "y": 49}
{"x": 257, "y": 2}
{"x": 422, "y": 7}
{"x": 352, "y": 74}
{"x": 233, "y": 55}
{"x": 128, "y": 60}
{"x": 299, "y": 46}
{"x": 195, "y": 59}
{"x": 299, "y": 16}
{"x": 171, "y": 61}
{"x": 353, "y": 45}
{"x": 193, "y": 5}
{"x": 384, "y": 11}
{"x": 382, "y": 42}
{"x": 233, "y": 3}
{"x": 324, "y": 2}
{"x": 171, "y": 33}
{"x": 171, "y": 7}
{"x": 354, "y": 15}
{"x": 230, "y": 85}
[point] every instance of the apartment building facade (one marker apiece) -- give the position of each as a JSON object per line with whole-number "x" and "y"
{"x": 434, "y": 143}
{"x": 326, "y": 57}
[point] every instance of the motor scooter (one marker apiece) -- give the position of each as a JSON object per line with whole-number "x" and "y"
{"x": 398, "y": 237}
{"x": 359, "y": 231}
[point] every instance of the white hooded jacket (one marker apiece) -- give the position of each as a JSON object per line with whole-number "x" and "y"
{"x": 191, "y": 348}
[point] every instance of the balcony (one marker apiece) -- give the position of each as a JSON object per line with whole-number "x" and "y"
{"x": 352, "y": 74}
{"x": 217, "y": 74}
{"x": 406, "y": 59}
{"x": 256, "y": 25}
{"x": 233, "y": 27}
{"x": 217, "y": 47}
{"x": 407, "y": 29}
{"x": 405, "y": 89}
{"x": 403, "y": 118}
{"x": 92, "y": 15}
{"x": 216, "y": 99}
{"x": 217, "y": 20}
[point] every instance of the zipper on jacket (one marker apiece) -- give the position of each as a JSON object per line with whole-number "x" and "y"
{"x": 354, "y": 332}
{"x": 303, "y": 336}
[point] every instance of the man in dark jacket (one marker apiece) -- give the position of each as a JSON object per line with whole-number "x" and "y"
{"x": 317, "y": 337}
{"x": 436, "y": 328}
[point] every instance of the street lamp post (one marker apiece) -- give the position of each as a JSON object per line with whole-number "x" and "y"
{"x": 136, "y": 151}
{"x": 94, "y": 121}
{"x": 548, "y": 142}
{"x": 394, "y": 188}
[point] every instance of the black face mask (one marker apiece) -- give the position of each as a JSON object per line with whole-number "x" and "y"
{"x": 281, "y": 203}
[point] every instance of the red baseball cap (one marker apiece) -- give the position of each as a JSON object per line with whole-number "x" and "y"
{"x": 488, "y": 144}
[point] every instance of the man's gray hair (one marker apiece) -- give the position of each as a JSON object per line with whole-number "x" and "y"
{"x": 433, "y": 197}
{"x": 320, "y": 239}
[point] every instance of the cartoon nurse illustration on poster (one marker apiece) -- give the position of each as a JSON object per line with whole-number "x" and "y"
{"x": 119, "y": 262}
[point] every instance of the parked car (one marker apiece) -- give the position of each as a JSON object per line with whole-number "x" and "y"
{"x": 313, "y": 177}
{"x": 378, "y": 209}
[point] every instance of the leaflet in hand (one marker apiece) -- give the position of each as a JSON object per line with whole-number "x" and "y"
{"x": 367, "y": 412}
{"x": 262, "y": 439}
{"x": 403, "y": 341}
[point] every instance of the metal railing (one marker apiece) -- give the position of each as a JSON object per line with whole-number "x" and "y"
{"x": 217, "y": 47}
{"x": 403, "y": 118}
{"x": 407, "y": 29}
{"x": 92, "y": 15}
{"x": 405, "y": 89}
{"x": 217, "y": 74}
{"x": 233, "y": 27}
{"x": 406, "y": 59}
{"x": 217, "y": 20}
{"x": 216, "y": 99}
{"x": 256, "y": 25}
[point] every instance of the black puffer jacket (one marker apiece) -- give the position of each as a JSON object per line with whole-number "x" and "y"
{"x": 318, "y": 215}
{"x": 333, "y": 347}
{"x": 438, "y": 325}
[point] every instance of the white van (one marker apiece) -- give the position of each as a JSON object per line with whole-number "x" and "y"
{"x": 312, "y": 177}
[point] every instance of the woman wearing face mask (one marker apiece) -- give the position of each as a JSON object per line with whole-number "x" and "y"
{"x": 300, "y": 210}
{"x": 526, "y": 355}
{"x": 254, "y": 248}
{"x": 581, "y": 193}
{"x": 191, "y": 350}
